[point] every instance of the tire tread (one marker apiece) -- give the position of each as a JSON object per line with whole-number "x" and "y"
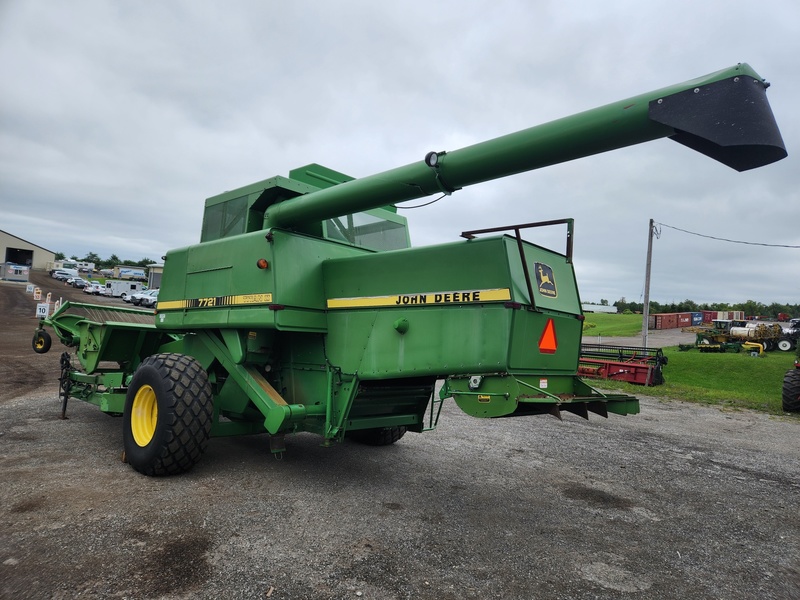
{"x": 188, "y": 414}
{"x": 791, "y": 391}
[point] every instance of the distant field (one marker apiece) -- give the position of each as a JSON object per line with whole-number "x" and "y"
{"x": 609, "y": 325}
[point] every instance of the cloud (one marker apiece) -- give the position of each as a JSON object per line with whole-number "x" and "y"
{"x": 119, "y": 119}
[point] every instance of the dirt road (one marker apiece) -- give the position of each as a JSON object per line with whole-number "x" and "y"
{"x": 681, "y": 501}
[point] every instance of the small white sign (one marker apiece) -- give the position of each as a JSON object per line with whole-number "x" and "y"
{"x": 29, "y": 288}
{"x": 543, "y": 384}
{"x": 37, "y": 294}
{"x": 42, "y": 310}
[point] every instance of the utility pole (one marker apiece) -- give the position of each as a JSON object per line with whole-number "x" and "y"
{"x": 646, "y": 309}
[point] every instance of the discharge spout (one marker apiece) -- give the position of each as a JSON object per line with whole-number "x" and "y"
{"x": 724, "y": 115}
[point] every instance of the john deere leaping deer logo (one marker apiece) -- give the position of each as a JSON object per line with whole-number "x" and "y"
{"x": 545, "y": 280}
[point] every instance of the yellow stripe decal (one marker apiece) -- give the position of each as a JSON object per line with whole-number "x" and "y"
{"x": 216, "y": 301}
{"x": 424, "y": 299}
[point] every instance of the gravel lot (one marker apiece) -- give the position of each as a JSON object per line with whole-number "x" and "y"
{"x": 681, "y": 501}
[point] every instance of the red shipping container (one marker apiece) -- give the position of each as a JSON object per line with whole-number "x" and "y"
{"x": 666, "y": 321}
{"x": 684, "y": 319}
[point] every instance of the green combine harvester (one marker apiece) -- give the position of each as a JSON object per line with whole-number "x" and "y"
{"x": 304, "y": 308}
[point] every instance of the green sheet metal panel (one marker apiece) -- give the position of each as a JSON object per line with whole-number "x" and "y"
{"x": 448, "y": 309}
{"x": 437, "y": 340}
{"x": 223, "y": 286}
{"x": 552, "y": 277}
{"x": 529, "y": 354}
{"x": 117, "y": 343}
{"x": 454, "y": 267}
{"x": 297, "y": 267}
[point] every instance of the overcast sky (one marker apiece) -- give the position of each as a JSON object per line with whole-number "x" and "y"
{"x": 118, "y": 119}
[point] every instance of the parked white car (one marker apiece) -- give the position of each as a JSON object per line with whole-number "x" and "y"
{"x": 151, "y": 300}
{"x": 94, "y": 287}
{"x": 138, "y": 297}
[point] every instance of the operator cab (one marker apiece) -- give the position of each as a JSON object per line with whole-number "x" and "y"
{"x": 242, "y": 211}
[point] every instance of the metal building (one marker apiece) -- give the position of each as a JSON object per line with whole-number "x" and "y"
{"x": 18, "y": 256}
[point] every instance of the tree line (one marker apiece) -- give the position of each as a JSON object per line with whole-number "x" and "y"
{"x": 109, "y": 263}
{"x": 749, "y": 307}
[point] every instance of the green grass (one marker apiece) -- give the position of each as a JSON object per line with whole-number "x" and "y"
{"x": 734, "y": 380}
{"x": 610, "y": 325}
{"x": 731, "y": 380}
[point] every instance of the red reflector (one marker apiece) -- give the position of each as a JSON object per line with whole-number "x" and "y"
{"x": 548, "y": 342}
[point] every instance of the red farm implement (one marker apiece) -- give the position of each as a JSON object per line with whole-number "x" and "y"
{"x": 642, "y": 366}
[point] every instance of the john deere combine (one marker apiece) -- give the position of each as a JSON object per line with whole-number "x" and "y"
{"x": 303, "y": 308}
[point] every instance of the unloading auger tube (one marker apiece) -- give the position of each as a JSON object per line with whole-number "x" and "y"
{"x": 724, "y": 115}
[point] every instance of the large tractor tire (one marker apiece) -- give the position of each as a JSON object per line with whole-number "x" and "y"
{"x": 791, "y": 391}
{"x": 785, "y": 345}
{"x": 168, "y": 414}
{"x": 381, "y": 436}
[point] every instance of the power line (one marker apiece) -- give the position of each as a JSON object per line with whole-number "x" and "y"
{"x": 727, "y": 240}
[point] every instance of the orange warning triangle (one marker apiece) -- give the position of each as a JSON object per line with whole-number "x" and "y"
{"x": 548, "y": 342}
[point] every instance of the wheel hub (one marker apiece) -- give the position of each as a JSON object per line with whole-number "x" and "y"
{"x": 144, "y": 415}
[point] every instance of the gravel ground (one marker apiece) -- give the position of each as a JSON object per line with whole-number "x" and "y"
{"x": 657, "y": 338}
{"x": 681, "y": 501}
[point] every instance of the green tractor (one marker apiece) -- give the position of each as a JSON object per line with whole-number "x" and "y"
{"x": 304, "y": 308}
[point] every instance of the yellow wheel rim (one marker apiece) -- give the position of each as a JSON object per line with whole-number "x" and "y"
{"x": 144, "y": 415}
